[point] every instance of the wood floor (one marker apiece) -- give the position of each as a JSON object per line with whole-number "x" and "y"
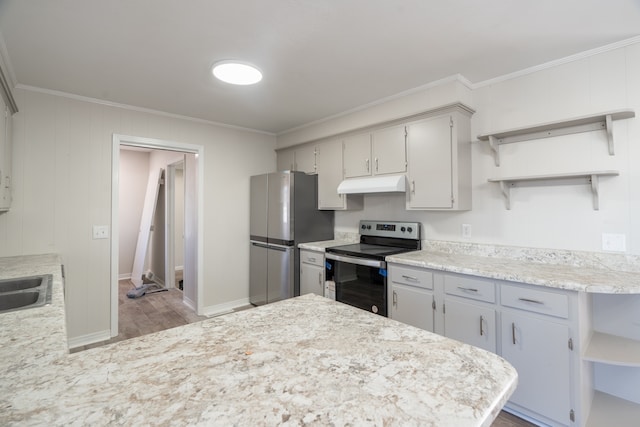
{"x": 163, "y": 310}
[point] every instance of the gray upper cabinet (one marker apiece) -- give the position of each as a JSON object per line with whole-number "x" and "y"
{"x": 439, "y": 162}
{"x": 375, "y": 153}
{"x": 329, "y": 166}
{"x": 357, "y": 155}
{"x": 301, "y": 158}
{"x": 389, "y": 150}
{"x": 286, "y": 159}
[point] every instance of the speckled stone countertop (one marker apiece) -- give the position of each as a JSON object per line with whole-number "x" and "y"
{"x": 33, "y": 337}
{"x": 306, "y": 360}
{"x": 571, "y": 270}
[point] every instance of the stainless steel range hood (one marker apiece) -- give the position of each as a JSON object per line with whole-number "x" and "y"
{"x": 373, "y": 184}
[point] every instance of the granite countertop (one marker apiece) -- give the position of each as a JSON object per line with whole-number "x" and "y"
{"x": 570, "y": 270}
{"x": 321, "y": 246}
{"x": 306, "y": 360}
{"x": 37, "y": 336}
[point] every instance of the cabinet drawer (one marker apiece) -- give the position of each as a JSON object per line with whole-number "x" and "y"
{"x": 311, "y": 257}
{"x": 468, "y": 287}
{"x": 411, "y": 276}
{"x": 535, "y": 300}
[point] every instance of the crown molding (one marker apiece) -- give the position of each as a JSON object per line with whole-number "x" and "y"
{"x": 137, "y": 109}
{"x": 557, "y": 62}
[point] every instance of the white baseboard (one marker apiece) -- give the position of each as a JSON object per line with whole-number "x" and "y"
{"x": 124, "y": 276}
{"x": 88, "y": 339}
{"x": 179, "y": 268}
{"x": 224, "y": 308}
{"x": 189, "y": 303}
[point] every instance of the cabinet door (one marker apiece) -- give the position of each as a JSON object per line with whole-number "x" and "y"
{"x": 430, "y": 168}
{"x": 357, "y": 156}
{"x": 412, "y": 306}
{"x": 311, "y": 279}
{"x": 329, "y": 166}
{"x": 305, "y": 159}
{"x": 470, "y": 323}
{"x": 539, "y": 351}
{"x": 286, "y": 160}
{"x": 389, "y": 151}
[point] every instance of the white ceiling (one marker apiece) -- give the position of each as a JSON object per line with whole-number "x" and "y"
{"x": 319, "y": 57}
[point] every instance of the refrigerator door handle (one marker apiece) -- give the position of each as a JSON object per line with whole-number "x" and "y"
{"x": 260, "y": 245}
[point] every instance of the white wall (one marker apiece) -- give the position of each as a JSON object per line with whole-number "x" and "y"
{"x": 62, "y": 166}
{"x": 549, "y": 216}
{"x": 134, "y": 174}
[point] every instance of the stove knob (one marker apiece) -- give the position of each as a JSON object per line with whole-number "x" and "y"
{"x": 368, "y": 227}
{"x": 364, "y": 227}
{"x": 403, "y": 229}
{"x": 409, "y": 229}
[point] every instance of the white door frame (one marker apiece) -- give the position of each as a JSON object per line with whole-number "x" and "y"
{"x": 170, "y": 224}
{"x": 157, "y": 144}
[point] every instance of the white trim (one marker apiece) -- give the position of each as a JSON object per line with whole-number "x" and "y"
{"x": 454, "y": 78}
{"x": 224, "y": 308}
{"x": 134, "y": 108}
{"x": 557, "y": 62}
{"x": 153, "y": 143}
{"x": 124, "y": 276}
{"x": 88, "y": 339}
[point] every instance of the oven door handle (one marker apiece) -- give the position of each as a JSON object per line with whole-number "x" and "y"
{"x": 354, "y": 260}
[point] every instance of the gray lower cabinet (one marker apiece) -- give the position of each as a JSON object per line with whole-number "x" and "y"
{"x": 538, "y": 349}
{"x": 311, "y": 272}
{"x": 410, "y": 296}
{"x": 534, "y": 328}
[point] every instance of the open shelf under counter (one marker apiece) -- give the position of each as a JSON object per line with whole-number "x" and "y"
{"x": 589, "y": 177}
{"x": 613, "y": 350}
{"x": 592, "y": 122}
{"x": 608, "y": 410}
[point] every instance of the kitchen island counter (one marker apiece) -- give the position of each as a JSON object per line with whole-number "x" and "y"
{"x": 306, "y": 360}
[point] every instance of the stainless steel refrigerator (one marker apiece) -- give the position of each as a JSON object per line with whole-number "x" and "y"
{"x": 284, "y": 213}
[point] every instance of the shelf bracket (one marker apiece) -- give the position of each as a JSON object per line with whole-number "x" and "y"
{"x": 594, "y": 190}
{"x": 493, "y": 143}
{"x": 609, "y": 126}
{"x": 505, "y": 187}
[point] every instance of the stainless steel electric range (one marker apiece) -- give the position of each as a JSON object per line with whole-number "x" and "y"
{"x": 359, "y": 270}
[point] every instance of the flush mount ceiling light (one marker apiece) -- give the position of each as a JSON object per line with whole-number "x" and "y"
{"x": 236, "y": 73}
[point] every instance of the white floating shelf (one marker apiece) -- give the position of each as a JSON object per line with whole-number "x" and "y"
{"x": 613, "y": 350}
{"x": 600, "y": 121}
{"x": 590, "y": 178}
{"x": 607, "y": 410}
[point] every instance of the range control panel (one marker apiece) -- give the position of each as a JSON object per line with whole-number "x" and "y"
{"x": 395, "y": 229}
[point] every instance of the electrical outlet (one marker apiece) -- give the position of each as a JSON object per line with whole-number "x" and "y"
{"x": 614, "y": 242}
{"x": 466, "y": 231}
{"x": 100, "y": 232}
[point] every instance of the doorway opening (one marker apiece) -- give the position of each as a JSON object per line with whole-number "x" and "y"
{"x": 168, "y": 248}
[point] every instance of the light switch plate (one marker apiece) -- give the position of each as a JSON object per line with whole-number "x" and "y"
{"x": 100, "y": 232}
{"x": 614, "y": 242}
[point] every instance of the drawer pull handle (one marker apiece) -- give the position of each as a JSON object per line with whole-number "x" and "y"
{"x": 513, "y": 333}
{"x": 311, "y": 259}
{"x": 533, "y": 301}
{"x": 481, "y": 330}
{"x": 415, "y": 279}
{"x": 320, "y": 278}
{"x": 395, "y": 299}
{"x": 467, "y": 289}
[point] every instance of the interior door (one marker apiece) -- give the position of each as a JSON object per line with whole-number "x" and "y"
{"x": 280, "y": 266}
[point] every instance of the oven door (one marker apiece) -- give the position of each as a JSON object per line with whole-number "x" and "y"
{"x": 360, "y": 282}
